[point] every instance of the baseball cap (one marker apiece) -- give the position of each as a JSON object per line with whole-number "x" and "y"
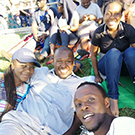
{"x": 25, "y": 55}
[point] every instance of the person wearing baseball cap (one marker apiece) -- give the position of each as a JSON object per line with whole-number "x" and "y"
{"x": 14, "y": 82}
{"x": 25, "y": 55}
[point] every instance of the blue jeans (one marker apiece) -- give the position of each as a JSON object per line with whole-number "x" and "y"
{"x": 60, "y": 38}
{"x": 24, "y": 19}
{"x": 46, "y": 49}
{"x": 110, "y": 65}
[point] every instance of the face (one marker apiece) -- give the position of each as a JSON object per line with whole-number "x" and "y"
{"x": 41, "y": 3}
{"x": 85, "y": 3}
{"x": 60, "y": 8}
{"x": 63, "y": 63}
{"x": 90, "y": 107}
{"x": 22, "y": 71}
{"x": 112, "y": 16}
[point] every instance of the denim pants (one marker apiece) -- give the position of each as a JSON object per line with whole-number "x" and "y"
{"x": 46, "y": 49}
{"x": 24, "y": 19}
{"x": 60, "y": 38}
{"x": 110, "y": 66}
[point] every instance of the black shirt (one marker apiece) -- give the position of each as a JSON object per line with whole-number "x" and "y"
{"x": 123, "y": 39}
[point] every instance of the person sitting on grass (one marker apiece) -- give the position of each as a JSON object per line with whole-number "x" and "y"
{"x": 14, "y": 83}
{"x": 48, "y": 107}
{"x": 116, "y": 41}
{"x": 92, "y": 107}
{"x": 89, "y": 17}
{"x": 42, "y": 20}
{"x": 65, "y": 25}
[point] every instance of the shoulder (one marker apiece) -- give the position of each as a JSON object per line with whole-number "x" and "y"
{"x": 75, "y": 14}
{"x": 78, "y": 8}
{"x": 36, "y": 10}
{"x": 124, "y": 119}
{"x": 51, "y": 9}
{"x": 123, "y": 126}
{"x": 40, "y": 72}
{"x": 127, "y": 26}
{"x": 100, "y": 29}
{"x": 41, "y": 69}
{"x": 93, "y": 4}
{"x": 128, "y": 29}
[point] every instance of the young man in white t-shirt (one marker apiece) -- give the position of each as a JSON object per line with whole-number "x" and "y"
{"x": 90, "y": 16}
{"x": 93, "y": 109}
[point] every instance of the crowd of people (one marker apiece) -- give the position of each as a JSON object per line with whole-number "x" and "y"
{"x": 18, "y": 14}
{"x": 57, "y": 102}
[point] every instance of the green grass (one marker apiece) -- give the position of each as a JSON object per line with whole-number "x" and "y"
{"x": 86, "y": 69}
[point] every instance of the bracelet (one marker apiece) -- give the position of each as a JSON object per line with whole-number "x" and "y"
{"x": 69, "y": 27}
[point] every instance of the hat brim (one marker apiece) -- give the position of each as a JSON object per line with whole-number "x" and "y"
{"x": 30, "y": 61}
{"x": 37, "y": 64}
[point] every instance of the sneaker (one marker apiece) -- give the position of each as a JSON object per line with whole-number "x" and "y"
{"x": 39, "y": 57}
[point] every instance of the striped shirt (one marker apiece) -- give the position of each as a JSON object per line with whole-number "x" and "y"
{"x": 21, "y": 93}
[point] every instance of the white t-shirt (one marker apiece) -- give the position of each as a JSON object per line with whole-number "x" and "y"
{"x": 121, "y": 126}
{"x": 92, "y": 9}
{"x": 63, "y": 22}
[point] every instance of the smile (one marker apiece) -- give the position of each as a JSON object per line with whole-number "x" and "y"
{"x": 112, "y": 23}
{"x": 63, "y": 71}
{"x": 88, "y": 117}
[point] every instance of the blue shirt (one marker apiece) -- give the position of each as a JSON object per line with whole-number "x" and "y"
{"x": 49, "y": 105}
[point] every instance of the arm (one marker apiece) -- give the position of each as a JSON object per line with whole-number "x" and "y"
{"x": 74, "y": 127}
{"x": 25, "y": 12}
{"x": 84, "y": 18}
{"x": 74, "y": 23}
{"x": 100, "y": 20}
{"x": 50, "y": 12}
{"x": 94, "y": 50}
{"x": 35, "y": 30}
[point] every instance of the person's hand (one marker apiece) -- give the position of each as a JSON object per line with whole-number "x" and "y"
{"x": 64, "y": 28}
{"x": 92, "y": 17}
{"x": 98, "y": 79}
{"x": 42, "y": 37}
{"x": 85, "y": 18}
{"x": 36, "y": 38}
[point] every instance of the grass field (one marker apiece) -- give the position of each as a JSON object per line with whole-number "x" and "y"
{"x": 86, "y": 69}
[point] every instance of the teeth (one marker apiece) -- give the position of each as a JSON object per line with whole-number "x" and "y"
{"x": 87, "y": 115}
{"x": 64, "y": 71}
{"x": 112, "y": 23}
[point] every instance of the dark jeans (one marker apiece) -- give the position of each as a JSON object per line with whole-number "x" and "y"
{"x": 110, "y": 65}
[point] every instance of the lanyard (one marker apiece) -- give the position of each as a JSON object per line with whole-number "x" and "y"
{"x": 24, "y": 96}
